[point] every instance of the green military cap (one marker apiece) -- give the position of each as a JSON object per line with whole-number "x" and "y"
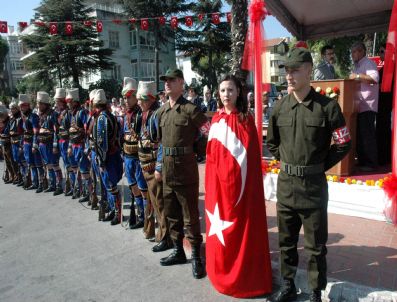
{"x": 296, "y": 57}
{"x": 172, "y": 74}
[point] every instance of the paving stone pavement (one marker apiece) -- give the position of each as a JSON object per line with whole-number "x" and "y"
{"x": 54, "y": 249}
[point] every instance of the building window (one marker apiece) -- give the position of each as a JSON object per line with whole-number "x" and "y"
{"x": 116, "y": 72}
{"x": 17, "y": 65}
{"x": 146, "y": 40}
{"x": 133, "y": 38}
{"x": 274, "y": 79}
{"x": 114, "y": 39}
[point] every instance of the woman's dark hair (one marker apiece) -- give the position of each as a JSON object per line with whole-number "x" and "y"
{"x": 241, "y": 102}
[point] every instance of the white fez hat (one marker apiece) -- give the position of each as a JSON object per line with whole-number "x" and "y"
{"x": 43, "y": 97}
{"x": 92, "y": 94}
{"x": 60, "y": 93}
{"x": 73, "y": 94}
{"x": 23, "y": 99}
{"x": 146, "y": 90}
{"x": 128, "y": 84}
{"x": 99, "y": 97}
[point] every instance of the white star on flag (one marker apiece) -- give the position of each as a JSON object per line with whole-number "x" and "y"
{"x": 217, "y": 225}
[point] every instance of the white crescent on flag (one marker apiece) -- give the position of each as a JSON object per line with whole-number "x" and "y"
{"x": 225, "y": 135}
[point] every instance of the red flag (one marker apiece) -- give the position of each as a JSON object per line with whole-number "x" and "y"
{"x": 39, "y": 23}
{"x": 22, "y": 25}
{"x": 162, "y": 20}
{"x": 201, "y": 17}
{"x": 99, "y": 26}
{"x": 174, "y": 22}
{"x": 87, "y": 23}
{"x": 144, "y": 24}
{"x": 215, "y": 18}
{"x": 229, "y": 17}
{"x": 237, "y": 248}
{"x": 188, "y": 21}
{"x": 68, "y": 28}
{"x": 132, "y": 21}
{"x": 116, "y": 21}
{"x": 391, "y": 52}
{"x": 3, "y": 27}
{"x": 53, "y": 28}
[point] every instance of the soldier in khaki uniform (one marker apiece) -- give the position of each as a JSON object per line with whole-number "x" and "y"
{"x": 181, "y": 124}
{"x": 300, "y": 130}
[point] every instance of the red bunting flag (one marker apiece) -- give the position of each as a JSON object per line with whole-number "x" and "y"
{"x": 162, "y": 20}
{"x": 116, "y": 21}
{"x": 174, "y": 22}
{"x": 201, "y": 17}
{"x": 53, "y": 28}
{"x": 22, "y": 25}
{"x": 132, "y": 21}
{"x": 69, "y": 28}
{"x": 39, "y": 23}
{"x": 237, "y": 247}
{"x": 144, "y": 24}
{"x": 87, "y": 23}
{"x": 229, "y": 17}
{"x": 99, "y": 26}
{"x": 188, "y": 21}
{"x": 3, "y": 27}
{"x": 215, "y": 18}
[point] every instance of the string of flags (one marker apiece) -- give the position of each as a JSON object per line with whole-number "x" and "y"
{"x": 174, "y": 22}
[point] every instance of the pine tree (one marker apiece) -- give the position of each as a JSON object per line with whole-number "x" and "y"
{"x": 63, "y": 56}
{"x": 153, "y": 9}
{"x": 3, "y": 53}
{"x": 206, "y": 43}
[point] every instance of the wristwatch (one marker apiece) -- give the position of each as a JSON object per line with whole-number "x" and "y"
{"x": 357, "y": 76}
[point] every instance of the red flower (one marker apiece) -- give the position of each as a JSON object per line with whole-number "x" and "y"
{"x": 336, "y": 90}
{"x": 342, "y": 179}
{"x": 322, "y": 92}
{"x": 264, "y": 166}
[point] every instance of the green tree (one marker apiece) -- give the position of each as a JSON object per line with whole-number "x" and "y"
{"x": 152, "y": 9}
{"x": 3, "y": 53}
{"x": 206, "y": 44}
{"x": 62, "y": 56}
{"x": 112, "y": 87}
{"x": 33, "y": 83}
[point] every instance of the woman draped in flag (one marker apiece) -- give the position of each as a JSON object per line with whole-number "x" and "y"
{"x": 237, "y": 255}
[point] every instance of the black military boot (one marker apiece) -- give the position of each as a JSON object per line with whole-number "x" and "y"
{"x": 49, "y": 189}
{"x": 315, "y": 296}
{"x": 32, "y": 187}
{"x": 197, "y": 266}
{"x": 76, "y": 192}
{"x": 58, "y": 190}
{"x": 117, "y": 214}
{"x": 102, "y": 210}
{"x": 177, "y": 256}
{"x": 163, "y": 245}
{"x": 39, "y": 188}
{"x": 84, "y": 198}
{"x": 287, "y": 292}
{"x": 110, "y": 216}
{"x": 20, "y": 183}
{"x": 94, "y": 202}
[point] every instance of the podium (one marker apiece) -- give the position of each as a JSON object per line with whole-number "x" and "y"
{"x": 347, "y": 102}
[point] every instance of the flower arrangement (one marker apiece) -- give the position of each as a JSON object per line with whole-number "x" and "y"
{"x": 332, "y": 93}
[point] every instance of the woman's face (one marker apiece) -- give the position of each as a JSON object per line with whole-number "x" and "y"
{"x": 228, "y": 93}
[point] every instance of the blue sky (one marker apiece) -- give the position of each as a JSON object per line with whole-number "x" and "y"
{"x": 22, "y": 10}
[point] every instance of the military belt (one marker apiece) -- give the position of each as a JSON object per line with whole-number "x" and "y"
{"x": 176, "y": 151}
{"x": 302, "y": 170}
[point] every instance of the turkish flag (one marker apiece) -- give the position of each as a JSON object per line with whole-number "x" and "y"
{"x": 215, "y": 18}
{"x": 162, "y": 20}
{"x": 144, "y": 24}
{"x": 68, "y": 28}
{"x": 87, "y": 23}
{"x": 53, "y": 28}
{"x": 188, "y": 21}
{"x": 99, "y": 26}
{"x": 174, "y": 22}
{"x": 22, "y": 25}
{"x": 39, "y": 23}
{"x": 237, "y": 247}
{"x": 3, "y": 27}
{"x": 229, "y": 17}
{"x": 201, "y": 17}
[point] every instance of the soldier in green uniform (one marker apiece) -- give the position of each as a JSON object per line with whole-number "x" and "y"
{"x": 300, "y": 130}
{"x": 181, "y": 125}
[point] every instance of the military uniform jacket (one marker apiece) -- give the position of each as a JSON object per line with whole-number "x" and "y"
{"x": 106, "y": 136}
{"x": 30, "y": 128}
{"x": 5, "y": 140}
{"x": 48, "y": 127}
{"x": 78, "y": 126}
{"x": 180, "y": 127}
{"x": 300, "y": 134}
{"x": 16, "y": 128}
{"x": 131, "y": 128}
{"x": 64, "y": 121}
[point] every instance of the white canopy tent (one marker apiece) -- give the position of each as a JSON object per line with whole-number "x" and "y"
{"x": 313, "y": 19}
